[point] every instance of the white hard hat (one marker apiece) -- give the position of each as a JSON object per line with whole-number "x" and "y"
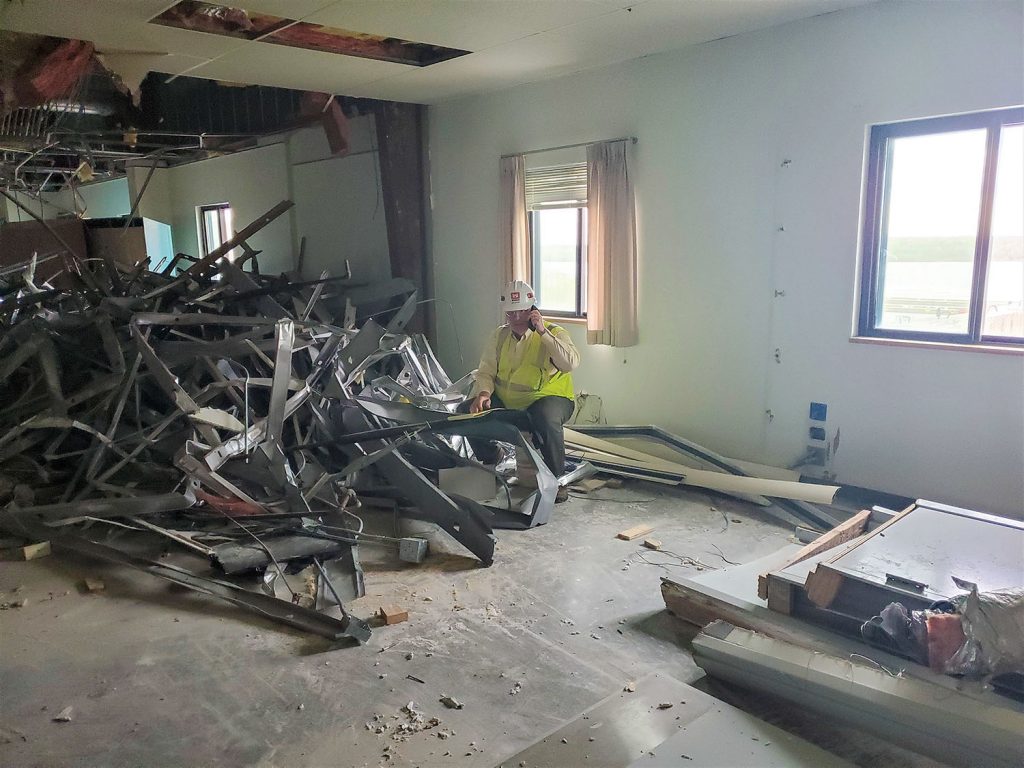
{"x": 517, "y": 295}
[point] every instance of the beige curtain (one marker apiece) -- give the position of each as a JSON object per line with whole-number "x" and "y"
{"x": 611, "y": 247}
{"x": 514, "y": 227}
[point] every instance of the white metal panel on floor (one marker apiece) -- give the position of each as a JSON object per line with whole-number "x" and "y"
{"x": 632, "y": 728}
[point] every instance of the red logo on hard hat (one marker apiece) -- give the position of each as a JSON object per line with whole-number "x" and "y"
{"x": 515, "y": 295}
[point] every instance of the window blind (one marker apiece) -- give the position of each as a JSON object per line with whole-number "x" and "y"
{"x": 556, "y": 186}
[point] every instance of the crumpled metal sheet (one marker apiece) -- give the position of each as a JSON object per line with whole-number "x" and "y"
{"x": 217, "y": 407}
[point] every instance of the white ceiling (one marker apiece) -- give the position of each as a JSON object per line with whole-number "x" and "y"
{"x": 512, "y": 41}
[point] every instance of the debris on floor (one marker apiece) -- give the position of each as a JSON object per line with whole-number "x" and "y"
{"x": 209, "y": 410}
{"x": 653, "y": 454}
{"x": 34, "y": 551}
{"x": 906, "y": 624}
{"x": 449, "y": 702}
{"x": 392, "y": 614}
{"x": 590, "y": 485}
{"x": 634, "y": 533}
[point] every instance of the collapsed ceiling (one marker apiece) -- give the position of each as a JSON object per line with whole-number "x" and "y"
{"x": 67, "y": 117}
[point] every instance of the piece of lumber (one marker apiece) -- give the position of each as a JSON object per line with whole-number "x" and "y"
{"x": 780, "y": 596}
{"x": 589, "y": 485}
{"x": 823, "y": 582}
{"x": 634, "y": 533}
{"x": 393, "y": 614}
{"x": 652, "y": 543}
{"x": 699, "y": 606}
{"x": 93, "y": 585}
{"x": 823, "y": 585}
{"x": 34, "y": 551}
{"x": 842, "y": 533}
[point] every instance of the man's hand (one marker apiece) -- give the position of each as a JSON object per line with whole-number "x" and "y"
{"x": 537, "y": 321}
{"x": 481, "y": 402}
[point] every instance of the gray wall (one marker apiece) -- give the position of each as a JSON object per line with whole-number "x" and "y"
{"x": 715, "y": 123}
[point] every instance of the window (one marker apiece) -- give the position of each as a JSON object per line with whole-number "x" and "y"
{"x": 215, "y": 226}
{"x": 943, "y": 234}
{"x": 556, "y": 197}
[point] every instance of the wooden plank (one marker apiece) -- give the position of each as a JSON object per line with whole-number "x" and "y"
{"x": 700, "y": 607}
{"x": 780, "y": 596}
{"x": 842, "y": 533}
{"x": 823, "y": 583}
{"x": 634, "y": 533}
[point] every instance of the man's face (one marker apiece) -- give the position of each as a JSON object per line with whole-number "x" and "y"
{"x": 518, "y": 320}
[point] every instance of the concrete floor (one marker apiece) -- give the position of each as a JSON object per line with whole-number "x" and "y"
{"x": 567, "y": 615}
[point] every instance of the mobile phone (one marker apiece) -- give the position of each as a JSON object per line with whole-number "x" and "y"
{"x": 532, "y": 323}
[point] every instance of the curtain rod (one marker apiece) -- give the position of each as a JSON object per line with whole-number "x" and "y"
{"x": 631, "y": 139}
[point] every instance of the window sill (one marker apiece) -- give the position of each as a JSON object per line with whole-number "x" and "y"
{"x": 558, "y": 320}
{"x": 996, "y": 349}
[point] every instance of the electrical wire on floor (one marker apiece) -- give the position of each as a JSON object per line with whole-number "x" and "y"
{"x": 721, "y": 554}
{"x": 680, "y": 561}
{"x": 725, "y": 516}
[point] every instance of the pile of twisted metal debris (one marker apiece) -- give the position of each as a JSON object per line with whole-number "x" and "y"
{"x": 238, "y": 416}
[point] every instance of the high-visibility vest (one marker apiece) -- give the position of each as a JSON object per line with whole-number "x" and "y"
{"x": 522, "y": 386}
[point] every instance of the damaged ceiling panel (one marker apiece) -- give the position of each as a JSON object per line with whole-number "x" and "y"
{"x": 69, "y": 115}
{"x": 248, "y": 25}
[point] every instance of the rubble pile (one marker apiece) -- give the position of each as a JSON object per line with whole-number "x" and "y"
{"x": 238, "y": 416}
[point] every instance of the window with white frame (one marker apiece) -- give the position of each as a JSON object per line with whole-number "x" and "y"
{"x": 556, "y": 197}
{"x": 943, "y": 237}
{"x": 215, "y": 226}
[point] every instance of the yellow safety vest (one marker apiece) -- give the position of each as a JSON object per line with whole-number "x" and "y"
{"x": 522, "y": 386}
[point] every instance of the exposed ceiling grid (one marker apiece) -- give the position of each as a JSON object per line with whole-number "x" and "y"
{"x": 512, "y": 42}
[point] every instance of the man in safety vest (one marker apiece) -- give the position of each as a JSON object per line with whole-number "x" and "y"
{"x": 526, "y": 365}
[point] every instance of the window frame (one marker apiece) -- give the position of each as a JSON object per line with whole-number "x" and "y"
{"x": 225, "y": 235}
{"x": 878, "y": 183}
{"x": 580, "y": 313}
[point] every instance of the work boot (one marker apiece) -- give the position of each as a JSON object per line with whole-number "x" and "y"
{"x": 562, "y": 494}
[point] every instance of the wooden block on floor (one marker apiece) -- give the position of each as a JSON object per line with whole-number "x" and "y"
{"x": 33, "y": 551}
{"x": 589, "y": 485}
{"x": 93, "y": 585}
{"x": 393, "y": 614}
{"x": 652, "y": 543}
{"x": 634, "y": 533}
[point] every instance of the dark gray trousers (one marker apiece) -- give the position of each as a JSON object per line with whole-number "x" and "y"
{"x": 547, "y": 416}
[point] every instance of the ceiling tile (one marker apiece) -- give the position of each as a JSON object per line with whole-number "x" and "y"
{"x": 513, "y": 41}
